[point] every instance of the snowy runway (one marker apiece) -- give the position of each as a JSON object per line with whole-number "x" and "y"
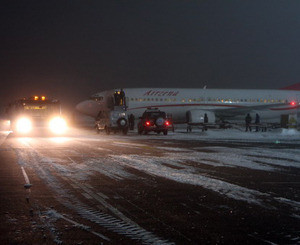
{"x": 176, "y": 188}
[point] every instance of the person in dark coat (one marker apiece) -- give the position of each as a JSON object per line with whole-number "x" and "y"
{"x": 257, "y": 121}
{"x": 248, "y": 120}
{"x": 131, "y": 121}
{"x": 205, "y": 118}
{"x": 205, "y": 122}
{"x": 116, "y": 97}
{"x": 122, "y": 97}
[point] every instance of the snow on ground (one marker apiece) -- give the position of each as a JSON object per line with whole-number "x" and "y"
{"x": 239, "y": 134}
{"x": 179, "y": 164}
{"x": 257, "y": 158}
{"x": 154, "y": 167}
{"x": 3, "y": 135}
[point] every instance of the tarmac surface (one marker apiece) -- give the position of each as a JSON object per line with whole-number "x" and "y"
{"x": 152, "y": 189}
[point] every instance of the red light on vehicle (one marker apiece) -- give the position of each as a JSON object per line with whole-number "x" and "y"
{"x": 148, "y": 123}
{"x": 167, "y": 123}
{"x": 293, "y": 103}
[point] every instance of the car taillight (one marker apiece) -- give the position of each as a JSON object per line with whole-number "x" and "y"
{"x": 167, "y": 123}
{"x": 148, "y": 123}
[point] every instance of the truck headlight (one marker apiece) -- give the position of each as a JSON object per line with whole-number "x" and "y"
{"x": 58, "y": 125}
{"x": 23, "y": 125}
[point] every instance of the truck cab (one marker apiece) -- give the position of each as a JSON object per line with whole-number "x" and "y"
{"x": 115, "y": 119}
{"x": 35, "y": 114}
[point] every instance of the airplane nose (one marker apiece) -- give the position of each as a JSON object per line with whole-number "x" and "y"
{"x": 82, "y": 106}
{"x": 88, "y": 107}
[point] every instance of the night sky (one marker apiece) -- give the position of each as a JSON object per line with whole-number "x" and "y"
{"x": 72, "y": 49}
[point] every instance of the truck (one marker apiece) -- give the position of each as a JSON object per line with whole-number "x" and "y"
{"x": 112, "y": 121}
{"x": 116, "y": 118}
{"x": 154, "y": 120}
{"x": 36, "y": 114}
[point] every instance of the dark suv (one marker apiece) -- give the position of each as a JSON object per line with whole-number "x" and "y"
{"x": 154, "y": 120}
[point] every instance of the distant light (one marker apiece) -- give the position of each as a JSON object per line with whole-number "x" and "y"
{"x": 167, "y": 123}
{"x": 36, "y": 97}
{"x": 148, "y": 123}
{"x": 43, "y": 97}
{"x": 293, "y": 103}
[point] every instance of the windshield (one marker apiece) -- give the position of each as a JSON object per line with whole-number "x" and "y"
{"x": 41, "y": 110}
{"x": 155, "y": 114}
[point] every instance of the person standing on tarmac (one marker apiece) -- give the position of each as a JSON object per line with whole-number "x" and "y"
{"x": 205, "y": 118}
{"x": 131, "y": 121}
{"x": 257, "y": 121}
{"x": 248, "y": 120}
{"x": 205, "y": 122}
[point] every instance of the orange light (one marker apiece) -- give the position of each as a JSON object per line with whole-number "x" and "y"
{"x": 36, "y": 97}
{"x": 43, "y": 97}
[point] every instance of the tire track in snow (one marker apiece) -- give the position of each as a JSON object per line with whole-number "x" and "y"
{"x": 31, "y": 158}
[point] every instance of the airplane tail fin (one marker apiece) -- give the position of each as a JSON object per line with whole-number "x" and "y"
{"x": 295, "y": 86}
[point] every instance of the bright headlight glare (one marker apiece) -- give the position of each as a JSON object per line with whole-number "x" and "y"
{"x": 24, "y": 125}
{"x": 58, "y": 125}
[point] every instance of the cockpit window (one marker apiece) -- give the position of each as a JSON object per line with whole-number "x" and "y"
{"x": 96, "y": 98}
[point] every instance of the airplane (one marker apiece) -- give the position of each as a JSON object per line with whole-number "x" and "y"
{"x": 188, "y": 105}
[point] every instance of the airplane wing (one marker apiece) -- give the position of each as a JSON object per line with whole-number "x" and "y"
{"x": 232, "y": 112}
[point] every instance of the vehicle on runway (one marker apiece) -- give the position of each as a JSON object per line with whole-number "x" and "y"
{"x": 36, "y": 114}
{"x": 190, "y": 105}
{"x": 112, "y": 121}
{"x": 153, "y": 120}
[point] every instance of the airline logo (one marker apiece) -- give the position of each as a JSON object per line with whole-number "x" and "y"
{"x": 160, "y": 93}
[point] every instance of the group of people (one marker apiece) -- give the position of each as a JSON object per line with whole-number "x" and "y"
{"x": 248, "y": 120}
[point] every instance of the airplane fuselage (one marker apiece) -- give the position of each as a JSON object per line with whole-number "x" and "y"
{"x": 231, "y": 104}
